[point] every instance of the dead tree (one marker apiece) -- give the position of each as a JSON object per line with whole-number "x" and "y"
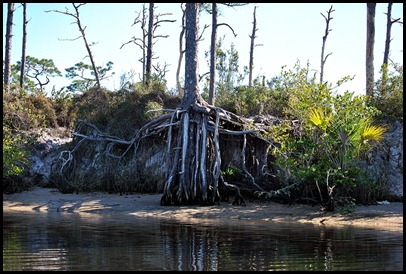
{"x": 389, "y": 23}
{"x": 213, "y": 48}
{"x": 196, "y": 138}
{"x": 370, "y": 49}
{"x": 193, "y": 135}
{"x": 326, "y": 32}
{"x": 24, "y": 44}
{"x": 146, "y": 43}
{"x": 8, "y": 49}
{"x": 83, "y": 35}
{"x": 149, "y": 44}
{"x": 141, "y": 42}
{"x": 181, "y": 53}
{"x": 252, "y": 37}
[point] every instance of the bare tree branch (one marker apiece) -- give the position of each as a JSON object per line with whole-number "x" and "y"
{"x": 326, "y": 32}
{"x": 82, "y": 31}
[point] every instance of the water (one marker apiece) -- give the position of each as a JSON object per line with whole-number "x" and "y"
{"x": 69, "y": 241}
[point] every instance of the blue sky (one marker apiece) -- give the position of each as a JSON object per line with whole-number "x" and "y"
{"x": 288, "y": 32}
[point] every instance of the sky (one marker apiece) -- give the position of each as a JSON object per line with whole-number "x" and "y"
{"x": 287, "y": 32}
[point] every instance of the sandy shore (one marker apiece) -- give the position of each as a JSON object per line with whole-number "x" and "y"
{"x": 388, "y": 217}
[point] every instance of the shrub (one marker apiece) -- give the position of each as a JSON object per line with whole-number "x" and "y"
{"x": 320, "y": 152}
{"x": 388, "y": 94}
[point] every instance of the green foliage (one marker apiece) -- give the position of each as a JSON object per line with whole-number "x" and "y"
{"x": 227, "y": 68}
{"x": 157, "y": 83}
{"x": 64, "y": 107}
{"x": 40, "y": 70}
{"x": 83, "y": 76}
{"x": 321, "y": 150}
{"x": 94, "y": 106}
{"x": 15, "y": 79}
{"x": 42, "y": 108}
{"x": 122, "y": 113}
{"x": 319, "y": 118}
{"x": 14, "y": 157}
{"x": 23, "y": 111}
{"x": 230, "y": 171}
{"x": 29, "y": 85}
{"x": 388, "y": 95}
{"x": 151, "y": 110}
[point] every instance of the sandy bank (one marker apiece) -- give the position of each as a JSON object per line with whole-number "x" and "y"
{"x": 387, "y": 217}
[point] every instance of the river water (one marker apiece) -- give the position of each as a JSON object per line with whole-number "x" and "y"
{"x": 76, "y": 242}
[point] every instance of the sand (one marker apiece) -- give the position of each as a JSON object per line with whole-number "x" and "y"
{"x": 387, "y": 217}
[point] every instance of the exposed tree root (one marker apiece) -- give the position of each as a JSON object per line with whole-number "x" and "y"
{"x": 193, "y": 154}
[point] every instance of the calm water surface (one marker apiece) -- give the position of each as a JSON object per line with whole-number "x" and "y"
{"x": 68, "y": 241}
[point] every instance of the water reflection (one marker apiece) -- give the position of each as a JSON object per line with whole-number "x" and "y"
{"x": 68, "y": 241}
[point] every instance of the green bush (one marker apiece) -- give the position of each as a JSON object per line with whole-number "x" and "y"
{"x": 320, "y": 149}
{"x": 14, "y": 156}
{"x": 388, "y": 94}
{"x": 64, "y": 107}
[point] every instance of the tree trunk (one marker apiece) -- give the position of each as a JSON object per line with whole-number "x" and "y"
{"x": 149, "y": 45}
{"x": 370, "y": 48}
{"x": 192, "y": 158}
{"x": 388, "y": 32}
{"x": 326, "y": 32}
{"x": 251, "y": 63}
{"x": 24, "y": 46}
{"x": 9, "y": 40}
{"x": 191, "y": 56}
{"x": 144, "y": 45}
{"x": 181, "y": 53}
{"x": 194, "y": 161}
{"x": 187, "y": 181}
{"x": 389, "y": 24}
{"x": 82, "y": 31}
{"x": 213, "y": 57}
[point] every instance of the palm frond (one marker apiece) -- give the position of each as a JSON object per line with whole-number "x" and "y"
{"x": 373, "y": 133}
{"x": 319, "y": 118}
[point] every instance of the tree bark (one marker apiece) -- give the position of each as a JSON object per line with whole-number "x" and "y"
{"x": 192, "y": 134}
{"x": 370, "y": 48}
{"x": 251, "y": 63}
{"x": 82, "y": 31}
{"x": 186, "y": 181}
{"x": 388, "y": 32}
{"x": 24, "y": 46}
{"x": 191, "y": 56}
{"x": 389, "y": 23}
{"x": 181, "y": 53}
{"x": 148, "y": 68}
{"x": 9, "y": 40}
{"x": 326, "y": 32}
{"x": 213, "y": 56}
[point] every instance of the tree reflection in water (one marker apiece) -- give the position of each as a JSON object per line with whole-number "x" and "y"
{"x": 70, "y": 242}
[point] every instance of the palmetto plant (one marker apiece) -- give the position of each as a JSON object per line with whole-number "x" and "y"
{"x": 365, "y": 133}
{"x": 339, "y": 146}
{"x": 320, "y": 118}
{"x": 335, "y": 130}
{"x": 372, "y": 133}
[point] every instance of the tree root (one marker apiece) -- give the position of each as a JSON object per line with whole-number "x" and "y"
{"x": 193, "y": 168}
